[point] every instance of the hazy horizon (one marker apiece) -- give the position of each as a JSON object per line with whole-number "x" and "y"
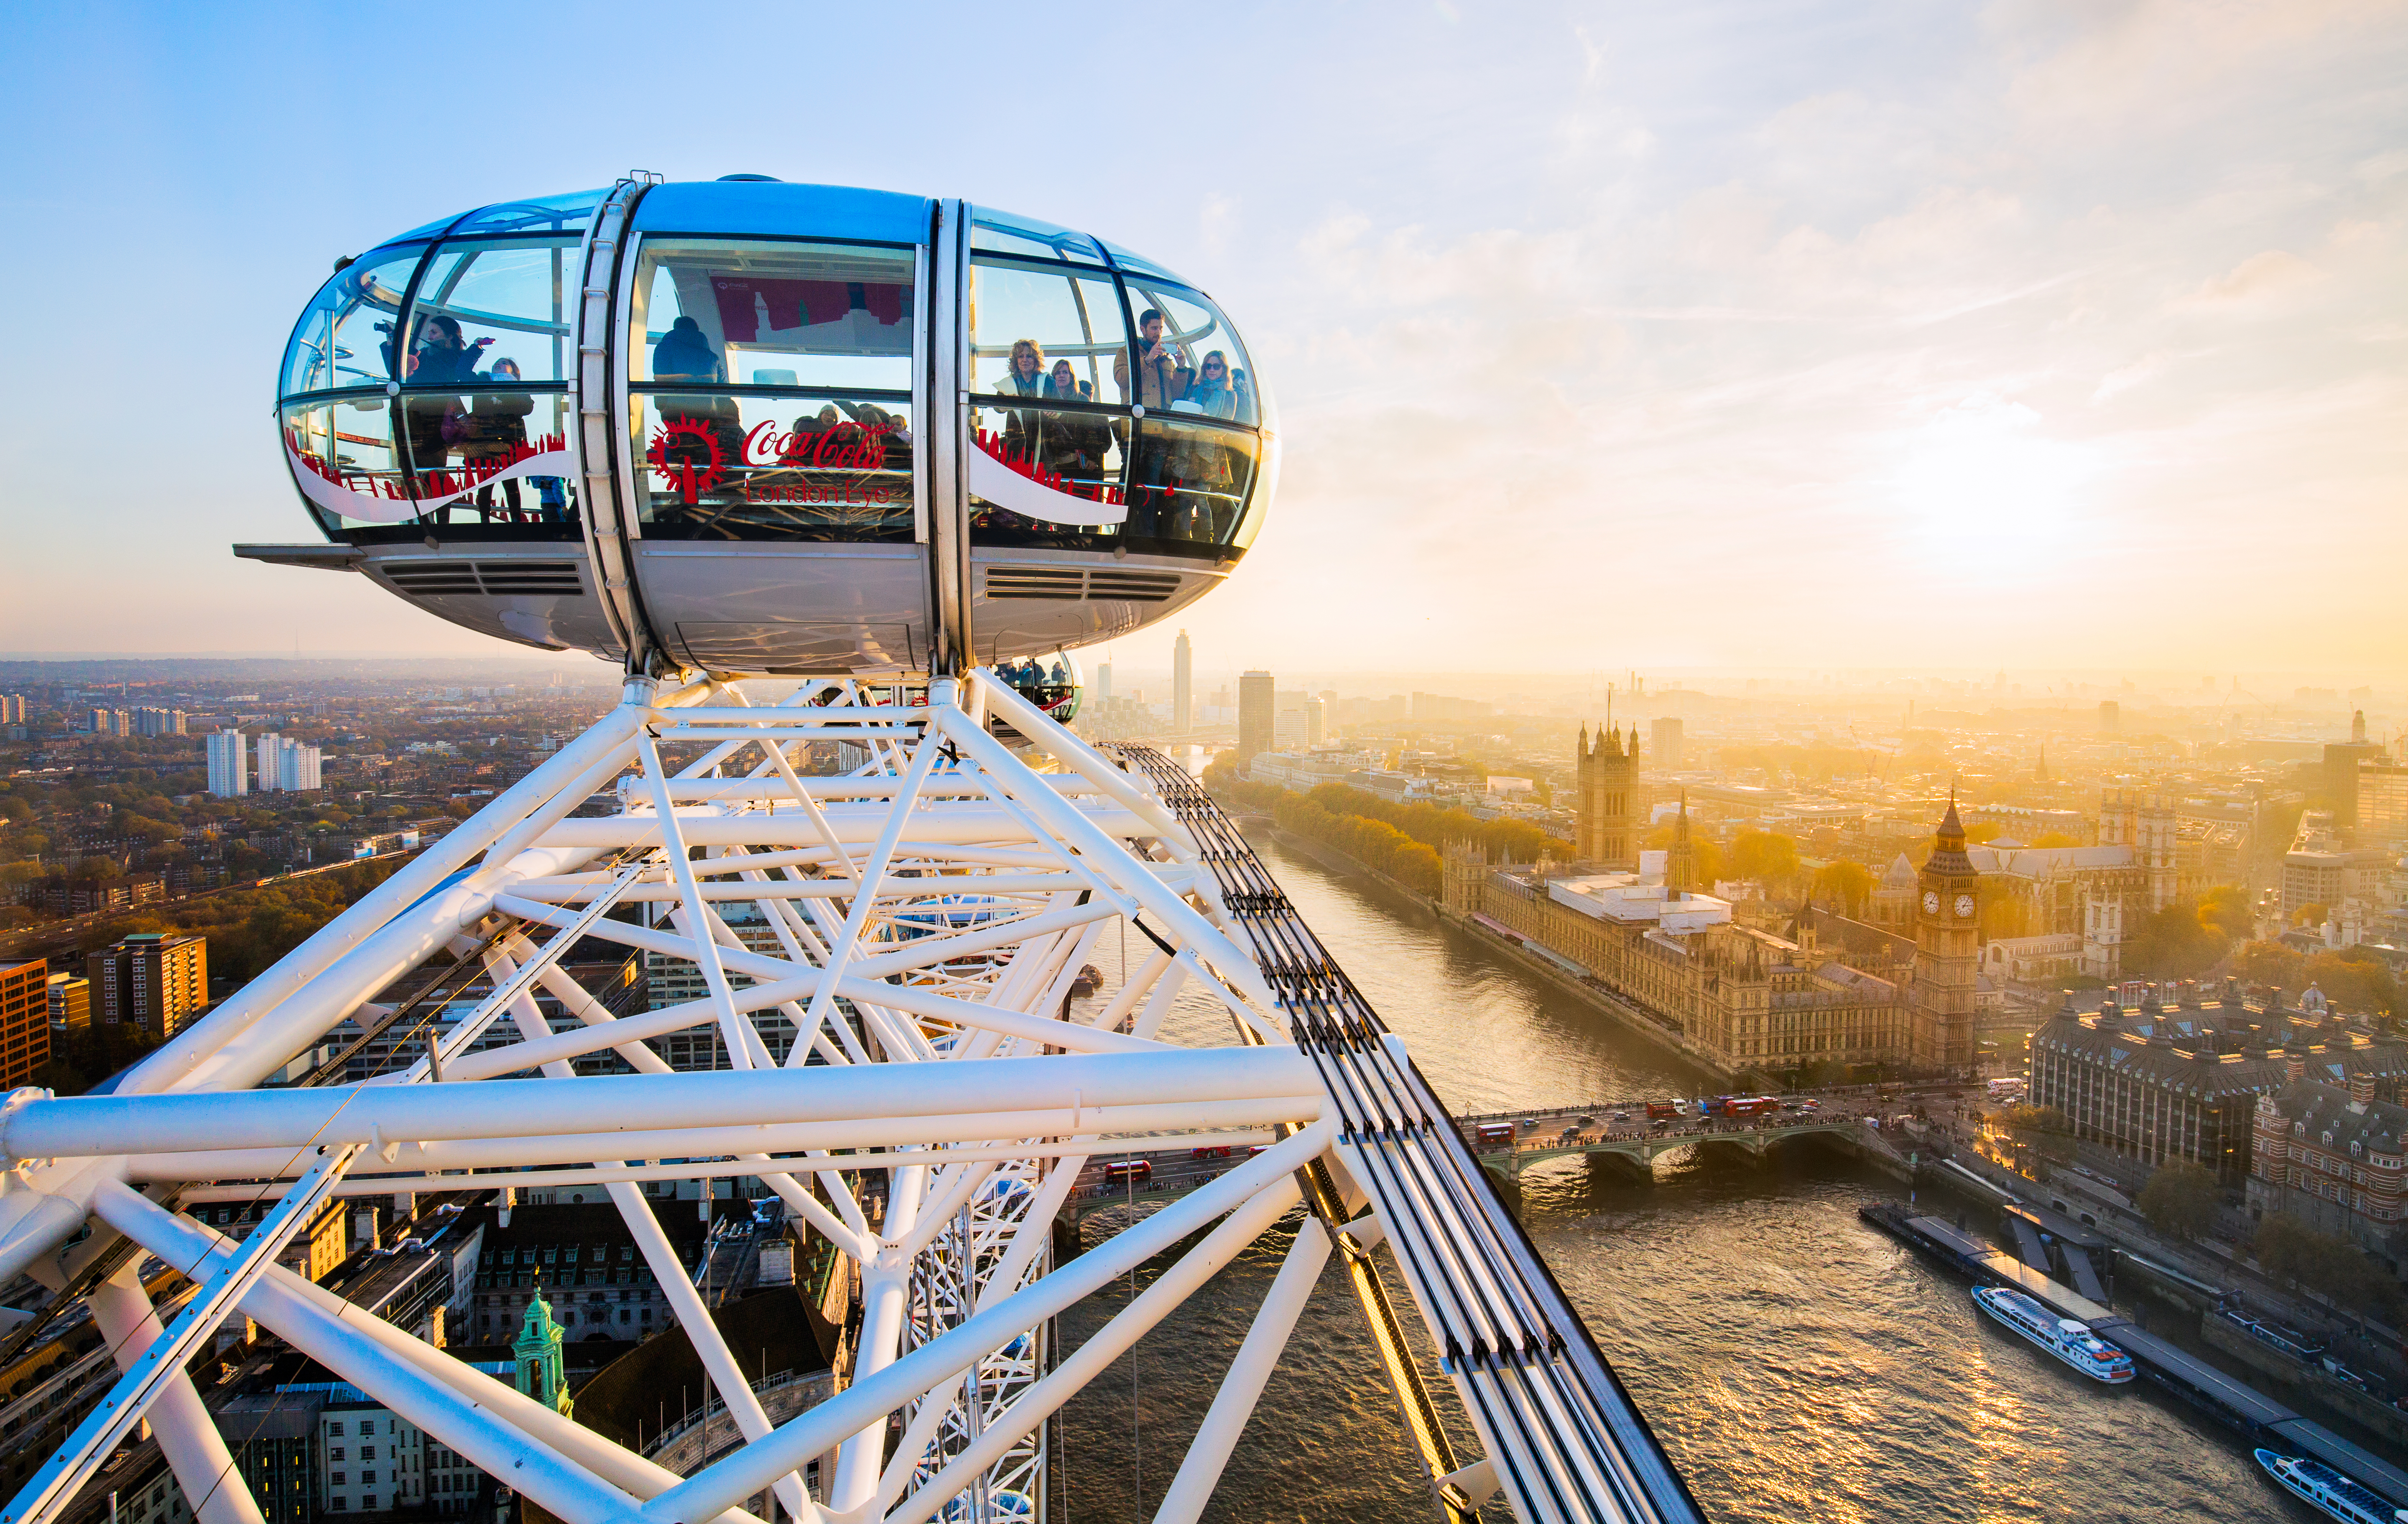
{"x": 2056, "y": 337}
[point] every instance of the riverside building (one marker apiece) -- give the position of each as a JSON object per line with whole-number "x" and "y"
{"x": 2182, "y": 1081}
{"x": 2332, "y": 1156}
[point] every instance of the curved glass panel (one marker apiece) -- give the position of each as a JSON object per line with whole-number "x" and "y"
{"x": 1009, "y": 233}
{"x": 345, "y": 336}
{"x": 1188, "y": 482}
{"x": 757, "y": 466}
{"x": 725, "y": 311}
{"x": 504, "y": 465}
{"x": 1207, "y": 372}
{"x": 1042, "y": 332}
{"x": 504, "y": 301}
{"x": 1136, "y": 263}
{"x": 562, "y": 213}
{"x": 1075, "y": 452}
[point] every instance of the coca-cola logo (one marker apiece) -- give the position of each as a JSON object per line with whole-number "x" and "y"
{"x": 838, "y": 447}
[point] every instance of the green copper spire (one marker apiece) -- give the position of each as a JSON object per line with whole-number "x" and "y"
{"x": 538, "y": 1348}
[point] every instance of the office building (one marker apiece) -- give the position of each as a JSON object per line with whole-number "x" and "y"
{"x": 1182, "y": 686}
{"x": 68, "y": 997}
{"x": 2332, "y": 1155}
{"x": 2111, "y": 715}
{"x": 24, "y": 1022}
{"x": 155, "y": 980}
{"x": 1257, "y": 698}
{"x": 2341, "y": 763}
{"x": 229, "y": 765}
{"x": 12, "y": 708}
{"x": 1103, "y": 679}
{"x": 1664, "y": 740}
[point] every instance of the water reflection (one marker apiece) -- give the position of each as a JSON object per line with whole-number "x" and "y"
{"x": 1797, "y": 1365}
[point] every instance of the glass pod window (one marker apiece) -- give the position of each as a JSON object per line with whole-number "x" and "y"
{"x": 760, "y": 465}
{"x": 493, "y": 309}
{"x": 726, "y": 312}
{"x": 345, "y": 339}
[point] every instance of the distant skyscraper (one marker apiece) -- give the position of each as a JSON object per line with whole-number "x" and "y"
{"x": 287, "y": 766}
{"x": 1183, "y": 685}
{"x": 271, "y": 749}
{"x": 1664, "y": 739}
{"x": 1256, "y": 698}
{"x": 155, "y": 980}
{"x": 229, "y": 765}
{"x": 1103, "y": 679}
{"x": 2111, "y": 715}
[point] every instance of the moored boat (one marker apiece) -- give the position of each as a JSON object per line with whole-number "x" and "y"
{"x": 2062, "y": 1337}
{"x": 2324, "y": 1488}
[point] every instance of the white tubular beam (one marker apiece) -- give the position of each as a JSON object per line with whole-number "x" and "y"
{"x": 1209, "y": 1452}
{"x": 1125, "y": 999}
{"x": 68, "y": 1126}
{"x": 263, "y": 1010}
{"x": 882, "y": 856}
{"x": 157, "y": 1369}
{"x": 1103, "y": 855}
{"x": 908, "y": 958}
{"x": 704, "y": 951}
{"x": 564, "y": 1487}
{"x": 494, "y": 1062}
{"x": 736, "y": 1394}
{"x": 213, "y": 1485}
{"x": 961, "y": 825}
{"x": 872, "y": 1397}
{"x": 1080, "y": 758}
{"x": 1136, "y": 1122}
{"x": 1105, "y": 1345}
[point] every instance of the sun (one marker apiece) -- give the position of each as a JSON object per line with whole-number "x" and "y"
{"x": 1984, "y": 491}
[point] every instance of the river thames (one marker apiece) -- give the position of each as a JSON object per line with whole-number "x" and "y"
{"x": 1797, "y": 1364}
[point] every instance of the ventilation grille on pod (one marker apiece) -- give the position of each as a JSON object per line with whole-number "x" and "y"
{"x": 1066, "y": 583}
{"x": 487, "y": 579}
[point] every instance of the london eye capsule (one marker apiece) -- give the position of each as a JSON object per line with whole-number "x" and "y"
{"x": 759, "y": 428}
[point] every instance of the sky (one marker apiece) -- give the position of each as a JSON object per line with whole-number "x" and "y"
{"x": 1837, "y": 333}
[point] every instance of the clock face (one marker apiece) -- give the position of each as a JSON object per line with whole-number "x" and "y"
{"x": 1932, "y": 902}
{"x": 1964, "y": 905}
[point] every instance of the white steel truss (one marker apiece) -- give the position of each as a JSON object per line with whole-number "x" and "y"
{"x": 931, "y": 899}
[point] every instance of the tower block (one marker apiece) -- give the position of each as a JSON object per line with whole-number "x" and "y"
{"x": 1607, "y": 788}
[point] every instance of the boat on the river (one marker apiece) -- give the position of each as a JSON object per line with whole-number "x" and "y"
{"x": 2321, "y": 1486}
{"x": 2068, "y": 1340}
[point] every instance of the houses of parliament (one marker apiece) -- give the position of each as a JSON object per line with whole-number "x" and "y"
{"x": 1740, "y": 998}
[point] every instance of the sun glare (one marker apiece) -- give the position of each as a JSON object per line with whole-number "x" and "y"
{"x": 1983, "y": 492}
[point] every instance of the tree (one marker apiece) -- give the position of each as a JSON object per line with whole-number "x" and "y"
{"x": 2056, "y": 838}
{"x": 1850, "y": 884}
{"x": 2290, "y": 1251}
{"x": 2270, "y": 963}
{"x": 97, "y": 870}
{"x": 2180, "y": 1200}
{"x": 1766, "y": 856}
{"x": 2173, "y": 943}
{"x": 2355, "y": 983}
{"x": 2314, "y": 914}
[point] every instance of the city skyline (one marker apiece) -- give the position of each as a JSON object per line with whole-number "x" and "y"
{"x": 1722, "y": 338}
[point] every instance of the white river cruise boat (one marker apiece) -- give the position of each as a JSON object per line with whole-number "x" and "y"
{"x": 2328, "y": 1490}
{"x": 2068, "y": 1340}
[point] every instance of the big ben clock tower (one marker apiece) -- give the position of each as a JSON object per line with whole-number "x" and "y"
{"x": 1948, "y": 954}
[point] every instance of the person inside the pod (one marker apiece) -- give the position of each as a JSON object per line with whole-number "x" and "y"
{"x": 493, "y": 437}
{"x": 684, "y": 355}
{"x": 1075, "y": 444}
{"x": 440, "y": 357}
{"x": 1163, "y": 372}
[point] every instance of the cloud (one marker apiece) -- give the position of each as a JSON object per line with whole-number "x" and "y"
{"x": 2257, "y": 281}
